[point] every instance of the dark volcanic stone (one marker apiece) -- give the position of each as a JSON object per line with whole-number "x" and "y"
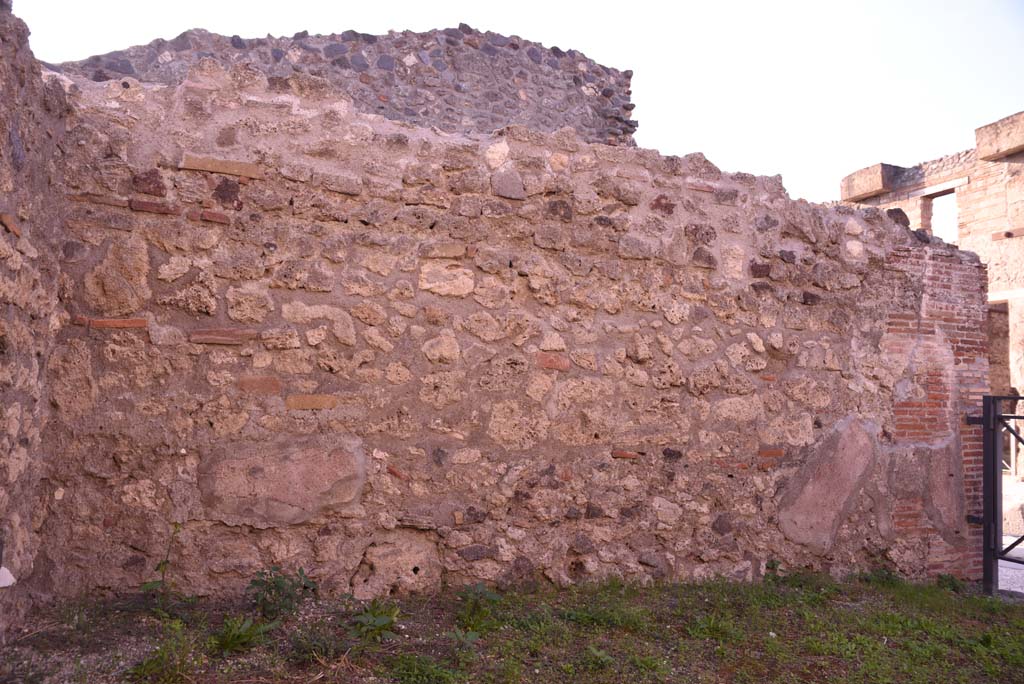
{"x": 358, "y": 62}
{"x": 810, "y": 299}
{"x": 722, "y": 524}
{"x": 386, "y": 62}
{"x": 475, "y": 552}
{"x": 534, "y": 55}
{"x": 17, "y": 147}
{"x": 121, "y": 66}
{"x": 149, "y": 183}
{"x": 226, "y": 193}
{"x": 335, "y": 50}
{"x": 237, "y": 43}
{"x": 181, "y": 42}
{"x": 760, "y": 270}
{"x": 899, "y": 216}
{"x": 703, "y": 258}
{"x": 277, "y": 54}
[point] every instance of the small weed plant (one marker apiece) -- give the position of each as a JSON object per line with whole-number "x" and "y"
{"x": 240, "y": 634}
{"x": 162, "y": 588}
{"x": 174, "y": 660}
{"x": 416, "y": 669}
{"x": 376, "y": 622}
{"x": 476, "y": 613}
{"x": 317, "y": 642}
{"x": 276, "y": 593}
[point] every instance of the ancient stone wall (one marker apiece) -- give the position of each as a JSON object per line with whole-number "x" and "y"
{"x": 458, "y": 79}
{"x": 988, "y": 183}
{"x": 30, "y": 127}
{"x": 393, "y": 355}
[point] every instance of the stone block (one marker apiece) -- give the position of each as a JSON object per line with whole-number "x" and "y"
{"x": 225, "y": 166}
{"x": 818, "y": 499}
{"x": 282, "y": 482}
{"x": 508, "y": 183}
{"x": 153, "y": 207}
{"x": 868, "y": 182}
{"x": 260, "y": 384}
{"x": 208, "y": 215}
{"x": 444, "y": 278}
{"x": 553, "y": 361}
{"x": 310, "y": 402}
{"x": 228, "y": 336}
{"x": 100, "y": 199}
{"x": 398, "y": 560}
{"x": 1000, "y": 138}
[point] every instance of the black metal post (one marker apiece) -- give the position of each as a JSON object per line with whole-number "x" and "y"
{"x": 990, "y": 474}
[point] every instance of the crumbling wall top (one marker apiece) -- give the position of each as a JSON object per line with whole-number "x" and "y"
{"x": 456, "y": 79}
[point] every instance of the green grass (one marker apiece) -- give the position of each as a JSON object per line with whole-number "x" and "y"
{"x": 873, "y": 629}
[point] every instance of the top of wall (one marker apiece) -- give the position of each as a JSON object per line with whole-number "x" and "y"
{"x": 456, "y": 79}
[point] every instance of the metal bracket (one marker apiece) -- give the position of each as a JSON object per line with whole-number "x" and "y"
{"x": 975, "y": 520}
{"x": 975, "y": 420}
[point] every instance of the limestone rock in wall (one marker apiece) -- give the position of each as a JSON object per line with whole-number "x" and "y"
{"x": 282, "y": 482}
{"x": 818, "y": 499}
{"x": 119, "y": 284}
{"x": 397, "y": 561}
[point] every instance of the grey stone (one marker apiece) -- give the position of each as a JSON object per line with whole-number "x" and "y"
{"x": 475, "y": 552}
{"x": 334, "y": 50}
{"x": 508, "y": 183}
{"x": 359, "y": 62}
{"x": 17, "y": 147}
{"x": 703, "y": 258}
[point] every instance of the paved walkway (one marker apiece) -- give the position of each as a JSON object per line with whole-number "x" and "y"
{"x": 1011, "y": 575}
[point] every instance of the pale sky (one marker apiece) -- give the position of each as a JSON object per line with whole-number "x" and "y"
{"x": 811, "y": 90}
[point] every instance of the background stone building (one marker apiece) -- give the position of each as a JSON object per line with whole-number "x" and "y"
{"x": 988, "y": 184}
